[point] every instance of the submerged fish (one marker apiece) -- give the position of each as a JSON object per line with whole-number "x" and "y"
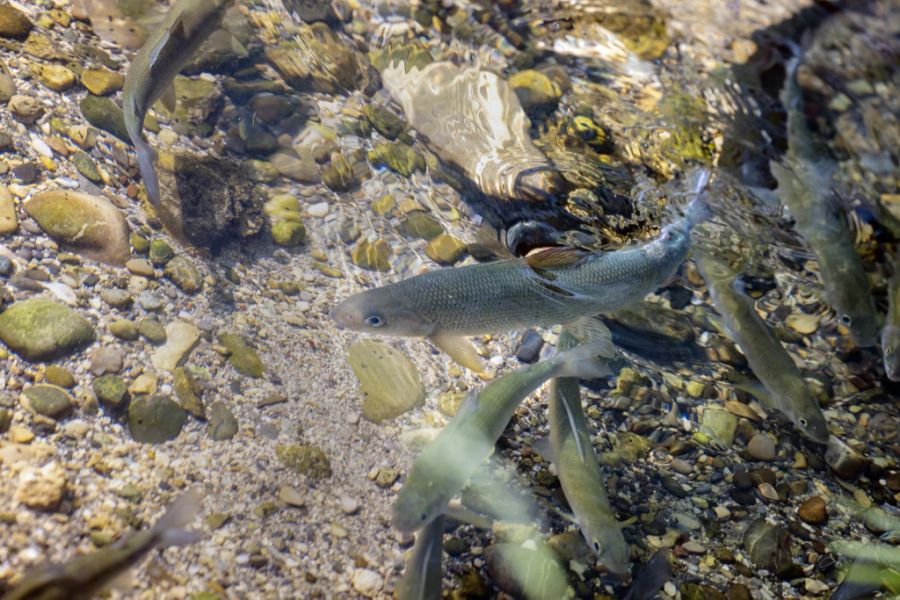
{"x": 442, "y": 469}
{"x": 85, "y": 576}
{"x": 890, "y": 333}
{"x": 768, "y": 359}
{"x": 150, "y": 76}
{"x": 558, "y": 285}
{"x": 652, "y": 577}
{"x": 579, "y": 474}
{"x": 805, "y": 186}
{"x": 422, "y": 577}
{"x": 529, "y": 564}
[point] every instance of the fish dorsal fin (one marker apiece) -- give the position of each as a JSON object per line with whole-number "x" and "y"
{"x": 168, "y": 97}
{"x": 592, "y": 330}
{"x": 459, "y": 349}
{"x": 549, "y": 258}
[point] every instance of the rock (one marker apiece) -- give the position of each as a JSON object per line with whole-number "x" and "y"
{"x": 111, "y": 391}
{"x": 366, "y": 582}
{"x": 6, "y": 417}
{"x": 420, "y": 224}
{"x": 124, "y": 329}
{"x": 445, "y": 249}
{"x": 284, "y": 218}
{"x": 813, "y": 511}
{"x": 101, "y": 81}
{"x": 372, "y": 255}
{"x": 385, "y": 121}
{"x": 761, "y": 447}
{"x": 187, "y": 390}
{"x": 139, "y": 243}
{"x": 529, "y": 348}
{"x": 155, "y": 419}
{"x": 7, "y": 86}
{"x": 389, "y": 382}
{"x": 13, "y": 23}
{"x": 398, "y": 157}
{"x": 198, "y": 105}
{"x": 695, "y": 591}
{"x": 769, "y": 546}
{"x": 207, "y": 200}
{"x": 536, "y": 91}
{"x": 184, "y": 274}
{"x": 515, "y": 567}
{"x": 103, "y": 114}
{"x": 302, "y": 169}
{"x": 288, "y": 233}
{"x": 738, "y": 591}
{"x": 222, "y": 423}
{"x": 39, "y": 329}
{"x": 802, "y": 323}
{"x": 107, "y": 359}
{"x": 60, "y": 376}
{"x": 720, "y": 425}
{"x": 348, "y": 505}
{"x": 345, "y": 172}
{"x": 242, "y": 357}
{"x": 160, "y": 252}
{"x": 305, "y": 459}
{"x": 56, "y": 77}
{"x": 90, "y": 225}
{"x": 47, "y": 400}
{"x": 87, "y": 167}
{"x": 9, "y": 222}
{"x": 181, "y": 338}
{"x": 152, "y": 330}
{"x": 846, "y": 462}
{"x": 25, "y": 108}
{"x": 140, "y": 266}
{"x": 115, "y": 297}
{"x": 41, "y": 488}
{"x": 310, "y": 11}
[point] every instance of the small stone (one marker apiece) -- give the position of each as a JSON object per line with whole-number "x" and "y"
{"x": 242, "y": 357}
{"x": 399, "y": 157}
{"x": 767, "y": 491}
{"x": 738, "y": 591}
{"x": 445, "y": 249}
{"x": 110, "y": 390}
{"x": 9, "y": 221}
{"x": 124, "y": 329}
{"x": 535, "y": 90}
{"x": 14, "y": 24}
{"x": 103, "y": 114}
{"x": 56, "y": 77}
{"x": 761, "y": 447}
{"x": 160, "y": 252}
{"x": 385, "y": 477}
{"x": 694, "y": 547}
{"x": 767, "y": 545}
{"x": 116, "y": 297}
{"x": 47, "y": 400}
{"x": 184, "y": 274}
{"x": 374, "y": 256}
{"x": 802, "y": 323}
{"x": 319, "y": 209}
{"x": 102, "y": 82}
{"x": 25, "y": 108}
{"x": 222, "y": 423}
{"x": 144, "y": 384}
{"x": 41, "y": 488}
{"x": 153, "y": 331}
{"x": 41, "y": 329}
{"x": 187, "y": 390}
{"x": 306, "y": 459}
{"x": 6, "y": 417}
{"x": 529, "y": 348}
{"x": 344, "y": 173}
{"x": 291, "y": 496}
{"x": 348, "y": 505}
{"x": 288, "y": 233}
{"x": 20, "y": 435}
{"x": 813, "y": 511}
{"x": 155, "y": 419}
{"x": 59, "y": 376}
{"x": 720, "y": 425}
{"x": 181, "y": 338}
{"x": 843, "y": 460}
{"x": 366, "y": 582}
{"x": 388, "y": 380}
{"x": 106, "y": 359}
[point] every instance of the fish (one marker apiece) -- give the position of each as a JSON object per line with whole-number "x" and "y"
{"x": 890, "y": 333}
{"x": 805, "y": 186}
{"x": 579, "y": 473}
{"x": 445, "y": 465}
{"x": 152, "y": 72}
{"x": 530, "y": 565}
{"x": 769, "y": 361}
{"x": 553, "y": 286}
{"x": 422, "y": 577}
{"x": 84, "y": 577}
{"x": 652, "y": 577}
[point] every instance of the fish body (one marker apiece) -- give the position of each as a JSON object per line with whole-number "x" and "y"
{"x": 551, "y": 287}
{"x": 652, "y": 577}
{"x": 805, "y": 187}
{"x": 167, "y": 49}
{"x": 767, "y": 358}
{"x": 86, "y": 576}
{"x": 422, "y": 577}
{"x": 579, "y": 474}
{"x": 445, "y": 465}
{"x": 890, "y": 333}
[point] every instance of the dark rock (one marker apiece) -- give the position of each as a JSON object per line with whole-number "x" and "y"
{"x": 103, "y": 114}
{"x": 111, "y": 391}
{"x": 155, "y": 419}
{"x": 14, "y": 23}
{"x": 769, "y": 546}
{"x": 222, "y": 423}
{"x": 187, "y": 390}
{"x": 47, "y": 400}
{"x": 529, "y": 349}
{"x": 242, "y": 357}
{"x": 846, "y": 462}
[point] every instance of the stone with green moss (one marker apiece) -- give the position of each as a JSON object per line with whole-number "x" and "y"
{"x": 372, "y": 255}
{"x": 60, "y": 376}
{"x": 184, "y": 274}
{"x": 153, "y": 331}
{"x": 110, "y": 390}
{"x": 242, "y": 357}
{"x": 288, "y": 233}
{"x": 47, "y": 400}
{"x": 124, "y": 329}
{"x": 103, "y": 114}
{"x": 160, "y": 252}
{"x": 198, "y": 104}
{"x": 385, "y": 121}
{"x": 398, "y": 157}
{"x": 187, "y": 390}
{"x": 42, "y": 329}
{"x": 155, "y": 419}
{"x": 420, "y": 224}
{"x": 305, "y": 459}
{"x": 139, "y": 242}
{"x": 86, "y": 166}
{"x": 445, "y": 249}
{"x": 345, "y": 172}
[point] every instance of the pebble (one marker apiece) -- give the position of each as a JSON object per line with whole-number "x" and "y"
{"x": 107, "y": 359}
{"x": 389, "y": 382}
{"x": 694, "y": 547}
{"x": 366, "y": 582}
{"x": 47, "y": 400}
{"x": 319, "y": 209}
{"x": 291, "y": 496}
{"x": 41, "y": 329}
{"x": 150, "y": 301}
{"x": 222, "y": 423}
{"x": 802, "y": 323}
{"x": 181, "y": 339}
{"x": 242, "y": 357}
{"x": 155, "y": 419}
{"x": 767, "y": 490}
{"x": 41, "y": 488}
{"x": 349, "y": 505}
{"x": 813, "y": 510}
{"x": 761, "y": 447}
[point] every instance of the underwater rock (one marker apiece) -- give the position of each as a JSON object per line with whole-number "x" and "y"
{"x": 59, "y": 376}
{"x": 242, "y": 357}
{"x": 388, "y": 380}
{"x": 14, "y": 24}
{"x": 187, "y": 390}
{"x": 55, "y": 77}
{"x": 345, "y": 172}
{"x": 385, "y": 121}
{"x": 287, "y": 226}
{"x": 769, "y": 546}
{"x": 529, "y": 348}
{"x": 47, "y": 400}
{"x": 110, "y": 23}
{"x": 311, "y": 10}
{"x": 9, "y": 222}
{"x": 106, "y": 359}
{"x": 181, "y": 338}
{"x": 103, "y": 114}
{"x": 206, "y": 200}
{"x": 473, "y": 121}
{"x": 41, "y": 488}
{"x": 25, "y": 108}
{"x": 536, "y": 91}
{"x": 198, "y": 104}
{"x": 290, "y": 164}
{"x": 398, "y": 157}
{"x": 761, "y": 447}
{"x": 843, "y": 460}
{"x": 110, "y": 390}
{"x": 41, "y": 329}
{"x": 813, "y": 510}
{"x": 445, "y": 249}
{"x": 305, "y": 459}
{"x": 152, "y": 330}
{"x": 372, "y": 255}
{"x": 420, "y": 224}
{"x": 160, "y": 252}
{"x": 155, "y": 419}
{"x": 102, "y": 81}
{"x": 184, "y": 274}
{"x": 720, "y": 425}
{"x": 89, "y": 225}
{"x": 222, "y": 423}
{"x": 86, "y": 166}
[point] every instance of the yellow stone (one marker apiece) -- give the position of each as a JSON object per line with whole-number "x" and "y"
{"x": 445, "y": 249}
{"x": 48, "y": 163}
{"x": 383, "y": 205}
{"x": 802, "y": 323}
{"x": 20, "y": 435}
{"x": 143, "y": 384}
{"x": 102, "y": 82}
{"x": 408, "y": 205}
{"x": 695, "y": 388}
{"x": 56, "y": 77}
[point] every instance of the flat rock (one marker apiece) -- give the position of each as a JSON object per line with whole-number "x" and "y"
{"x": 181, "y": 338}
{"x": 388, "y": 380}
{"x": 155, "y": 419}
{"x": 761, "y": 447}
{"x": 41, "y": 488}
{"x": 222, "y": 423}
{"x": 242, "y": 357}
{"x": 47, "y": 400}
{"x": 42, "y": 329}
{"x": 9, "y": 222}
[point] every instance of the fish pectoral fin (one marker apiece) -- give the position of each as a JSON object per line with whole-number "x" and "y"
{"x": 168, "y": 97}
{"x": 591, "y": 330}
{"x": 459, "y": 349}
{"x": 557, "y": 256}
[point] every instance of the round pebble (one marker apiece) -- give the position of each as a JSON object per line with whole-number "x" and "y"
{"x": 761, "y": 447}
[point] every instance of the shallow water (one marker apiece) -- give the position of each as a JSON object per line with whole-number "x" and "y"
{"x": 297, "y": 170}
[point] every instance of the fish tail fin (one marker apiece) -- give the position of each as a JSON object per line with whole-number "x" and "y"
{"x": 587, "y": 361}
{"x": 146, "y": 157}
{"x": 170, "y": 526}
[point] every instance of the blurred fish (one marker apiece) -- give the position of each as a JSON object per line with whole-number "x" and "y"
{"x": 444, "y": 466}
{"x": 578, "y": 471}
{"x": 805, "y": 186}
{"x": 769, "y": 361}
{"x": 151, "y": 74}
{"x": 84, "y": 577}
{"x": 863, "y": 580}
{"x": 890, "y": 333}
{"x": 422, "y": 577}
{"x": 530, "y": 564}
{"x": 557, "y": 285}
{"x": 652, "y": 577}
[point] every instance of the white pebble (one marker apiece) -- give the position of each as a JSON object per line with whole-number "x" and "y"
{"x": 366, "y": 582}
{"x": 41, "y": 147}
{"x": 349, "y": 505}
{"x": 319, "y": 209}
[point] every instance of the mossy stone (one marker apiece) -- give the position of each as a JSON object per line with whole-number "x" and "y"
{"x": 47, "y": 400}
{"x": 103, "y": 114}
{"x": 445, "y": 249}
{"x": 187, "y": 390}
{"x": 383, "y": 205}
{"x": 56, "y": 77}
{"x": 242, "y": 357}
{"x": 345, "y": 172}
{"x": 222, "y": 423}
{"x": 124, "y": 329}
{"x": 111, "y": 390}
{"x": 153, "y": 331}
{"x": 535, "y": 90}
{"x": 139, "y": 242}
{"x": 160, "y": 252}
{"x": 305, "y": 459}
{"x": 6, "y": 417}
{"x": 385, "y": 121}
{"x": 42, "y": 329}
{"x": 374, "y": 255}
{"x": 59, "y": 376}
{"x": 420, "y": 224}
{"x": 155, "y": 419}
{"x": 283, "y": 206}
{"x": 288, "y": 233}
{"x": 14, "y": 23}
{"x": 86, "y": 166}
{"x": 260, "y": 171}
{"x": 388, "y": 380}
{"x": 398, "y": 157}
{"x": 184, "y": 274}
{"x": 102, "y": 82}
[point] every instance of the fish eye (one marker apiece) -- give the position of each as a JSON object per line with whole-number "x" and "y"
{"x": 845, "y": 319}
{"x": 374, "y": 320}
{"x": 803, "y": 422}
{"x": 423, "y": 517}
{"x": 596, "y": 546}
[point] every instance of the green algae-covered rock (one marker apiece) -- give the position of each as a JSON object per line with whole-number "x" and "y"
{"x": 86, "y": 166}
{"x": 536, "y": 90}
{"x": 187, "y": 390}
{"x": 385, "y": 121}
{"x": 47, "y": 400}
{"x": 242, "y": 357}
{"x": 288, "y": 233}
{"x": 155, "y": 419}
{"x": 60, "y": 376}
{"x": 374, "y": 255}
{"x": 445, "y": 249}
{"x": 719, "y": 425}
{"x": 198, "y": 105}
{"x": 398, "y": 157}
{"x": 103, "y": 114}
{"x": 388, "y": 380}
{"x": 422, "y": 225}
{"x": 222, "y": 423}
{"x": 41, "y": 329}
{"x": 111, "y": 390}
{"x": 124, "y": 329}
{"x": 153, "y": 331}
{"x": 160, "y": 252}
{"x": 305, "y": 459}
{"x": 345, "y": 172}
{"x": 184, "y": 274}
{"x": 287, "y": 227}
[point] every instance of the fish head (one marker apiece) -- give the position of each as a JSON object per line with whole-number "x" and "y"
{"x": 890, "y": 351}
{"x": 852, "y": 301}
{"x": 609, "y": 546}
{"x": 803, "y": 411}
{"x": 415, "y": 508}
{"x": 379, "y": 312}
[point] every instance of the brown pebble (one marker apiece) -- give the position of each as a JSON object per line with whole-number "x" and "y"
{"x": 813, "y": 511}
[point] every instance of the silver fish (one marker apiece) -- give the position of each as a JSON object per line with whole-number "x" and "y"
{"x": 168, "y": 48}
{"x": 890, "y": 333}
{"x": 84, "y": 577}
{"x": 422, "y": 578}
